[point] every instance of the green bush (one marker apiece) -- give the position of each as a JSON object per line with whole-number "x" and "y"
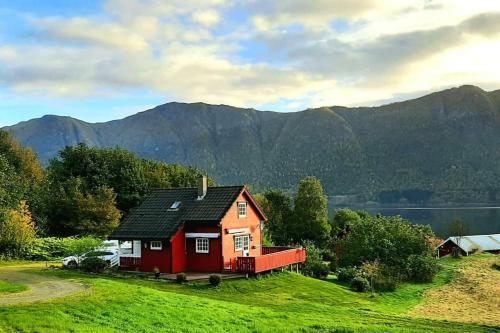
{"x": 181, "y": 278}
{"x": 50, "y": 248}
{"x": 360, "y": 284}
{"x": 314, "y": 265}
{"x": 421, "y": 268}
{"x": 215, "y": 280}
{"x": 319, "y": 270}
{"x": 346, "y": 274}
{"x": 93, "y": 264}
{"x": 384, "y": 284}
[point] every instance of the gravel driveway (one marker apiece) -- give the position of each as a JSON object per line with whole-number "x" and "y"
{"x": 41, "y": 288}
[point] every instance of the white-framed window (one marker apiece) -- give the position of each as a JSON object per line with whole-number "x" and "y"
{"x": 238, "y": 243}
{"x": 241, "y": 243}
{"x": 202, "y": 245}
{"x": 155, "y": 245}
{"x": 242, "y": 209}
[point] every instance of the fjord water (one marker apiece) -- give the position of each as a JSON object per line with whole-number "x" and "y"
{"x": 479, "y": 220}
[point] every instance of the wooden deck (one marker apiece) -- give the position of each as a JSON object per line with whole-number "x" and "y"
{"x": 271, "y": 258}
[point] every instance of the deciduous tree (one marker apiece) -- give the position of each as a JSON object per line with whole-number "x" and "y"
{"x": 310, "y": 217}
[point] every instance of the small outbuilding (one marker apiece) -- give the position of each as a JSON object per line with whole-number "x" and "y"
{"x": 469, "y": 245}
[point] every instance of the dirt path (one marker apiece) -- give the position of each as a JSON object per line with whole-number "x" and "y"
{"x": 473, "y": 296}
{"x": 41, "y": 288}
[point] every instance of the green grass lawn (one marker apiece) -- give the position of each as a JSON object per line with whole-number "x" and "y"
{"x": 9, "y": 287}
{"x": 284, "y": 302}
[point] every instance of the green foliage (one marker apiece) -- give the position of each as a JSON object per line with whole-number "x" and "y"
{"x": 389, "y": 249}
{"x": 310, "y": 216}
{"x": 50, "y": 248}
{"x": 21, "y": 175}
{"x": 346, "y": 274}
{"x": 93, "y": 264}
{"x": 342, "y": 218}
{"x": 130, "y": 177}
{"x": 181, "y": 278}
{"x": 89, "y": 188}
{"x": 71, "y": 211}
{"x": 390, "y": 240}
{"x": 314, "y": 265}
{"x": 278, "y": 208}
{"x": 421, "y": 268}
{"x": 215, "y": 280}
{"x": 359, "y": 284}
{"x": 17, "y": 231}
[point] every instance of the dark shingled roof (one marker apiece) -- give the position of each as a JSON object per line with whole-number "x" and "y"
{"x": 154, "y": 219}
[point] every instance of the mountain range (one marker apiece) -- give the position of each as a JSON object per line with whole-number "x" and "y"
{"x": 444, "y": 146}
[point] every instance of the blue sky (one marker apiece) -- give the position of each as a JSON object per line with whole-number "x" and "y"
{"x": 103, "y": 60}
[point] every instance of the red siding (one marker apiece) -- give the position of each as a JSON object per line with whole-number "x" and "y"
{"x": 231, "y": 221}
{"x": 204, "y": 262}
{"x": 159, "y": 258}
{"x": 178, "y": 244}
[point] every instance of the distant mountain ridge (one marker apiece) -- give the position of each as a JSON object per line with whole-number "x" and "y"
{"x": 445, "y": 145}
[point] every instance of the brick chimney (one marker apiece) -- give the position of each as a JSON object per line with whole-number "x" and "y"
{"x": 202, "y": 187}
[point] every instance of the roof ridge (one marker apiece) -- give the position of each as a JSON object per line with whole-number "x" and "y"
{"x": 194, "y": 187}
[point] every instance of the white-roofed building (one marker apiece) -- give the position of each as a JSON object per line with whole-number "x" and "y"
{"x": 470, "y": 244}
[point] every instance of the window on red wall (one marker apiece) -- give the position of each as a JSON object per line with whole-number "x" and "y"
{"x": 155, "y": 245}
{"x": 202, "y": 245}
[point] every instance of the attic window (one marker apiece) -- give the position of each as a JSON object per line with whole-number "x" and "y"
{"x": 242, "y": 210}
{"x": 175, "y": 205}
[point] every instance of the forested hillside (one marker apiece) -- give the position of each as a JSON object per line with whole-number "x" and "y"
{"x": 443, "y": 146}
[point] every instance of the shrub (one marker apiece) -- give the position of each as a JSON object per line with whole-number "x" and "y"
{"x": 17, "y": 231}
{"x": 314, "y": 265}
{"x": 215, "y": 280}
{"x": 421, "y": 268}
{"x": 319, "y": 270}
{"x": 384, "y": 284}
{"x": 53, "y": 248}
{"x": 181, "y": 278}
{"x": 360, "y": 284}
{"x": 93, "y": 264}
{"x": 346, "y": 274}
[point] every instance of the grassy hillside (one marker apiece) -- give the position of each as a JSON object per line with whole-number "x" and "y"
{"x": 284, "y": 302}
{"x": 445, "y": 143}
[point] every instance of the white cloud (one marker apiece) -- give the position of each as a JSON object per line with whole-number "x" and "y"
{"x": 206, "y": 18}
{"x": 305, "y": 53}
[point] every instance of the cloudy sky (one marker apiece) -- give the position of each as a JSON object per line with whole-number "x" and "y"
{"x": 102, "y": 60}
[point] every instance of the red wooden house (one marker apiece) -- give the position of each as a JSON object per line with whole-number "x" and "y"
{"x": 204, "y": 229}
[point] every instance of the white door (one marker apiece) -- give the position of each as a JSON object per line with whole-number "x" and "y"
{"x": 246, "y": 246}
